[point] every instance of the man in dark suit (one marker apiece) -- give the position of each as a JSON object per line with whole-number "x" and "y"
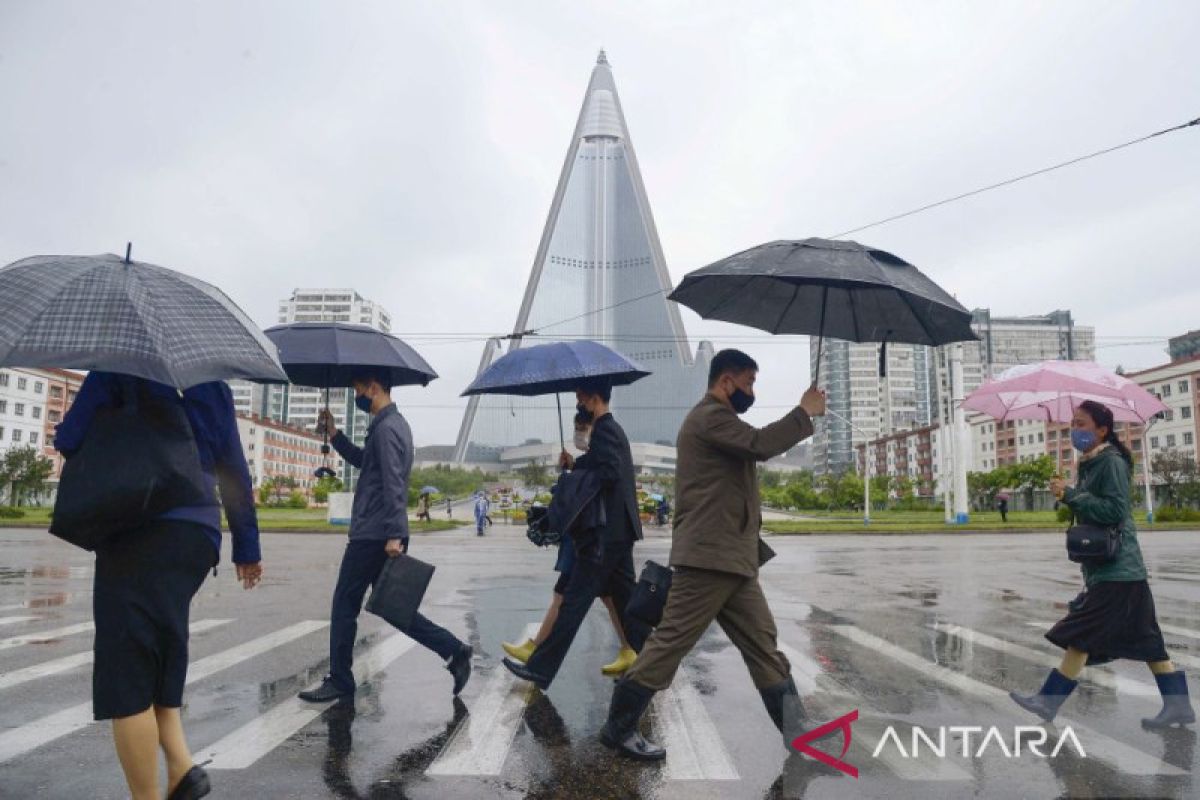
{"x": 604, "y": 561}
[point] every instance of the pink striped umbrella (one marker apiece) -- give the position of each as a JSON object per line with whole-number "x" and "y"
{"x": 1052, "y": 390}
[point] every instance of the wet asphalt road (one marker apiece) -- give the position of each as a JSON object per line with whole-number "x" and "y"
{"x": 923, "y": 631}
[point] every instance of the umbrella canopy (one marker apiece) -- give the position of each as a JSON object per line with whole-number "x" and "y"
{"x": 329, "y": 354}
{"x": 1052, "y": 390}
{"x": 108, "y": 313}
{"x": 825, "y": 287}
{"x": 553, "y": 368}
{"x": 430, "y": 490}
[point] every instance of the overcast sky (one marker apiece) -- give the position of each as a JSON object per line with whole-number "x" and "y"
{"x": 411, "y": 150}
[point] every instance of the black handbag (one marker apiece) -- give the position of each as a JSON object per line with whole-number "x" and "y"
{"x": 138, "y": 460}
{"x": 650, "y": 595}
{"x": 1093, "y": 544}
{"x": 538, "y": 530}
{"x": 399, "y": 589}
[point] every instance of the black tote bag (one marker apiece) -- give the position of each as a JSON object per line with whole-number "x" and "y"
{"x": 649, "y": 597}
{"x": 399, "y": 589}
{"x": 137, "y": 461}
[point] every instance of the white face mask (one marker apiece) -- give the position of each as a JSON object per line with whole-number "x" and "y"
{"x": 581, "y": 441}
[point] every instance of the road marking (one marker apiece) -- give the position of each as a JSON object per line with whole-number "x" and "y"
{"x": 1181, "y": 659}
{"x": 58, "y": 665}
{"x": 1109, "y": 680}
{"x": 30, "y": 736}
{"x": 15, "y": 620}
{"x": 45, "y": 636}
{"x": 1125, "y": 758}
{"x": 694, "y": 747}
{"x": 869, "y": 731}
{"x": 480, "y": 743}
{"x": 246, "y": 745}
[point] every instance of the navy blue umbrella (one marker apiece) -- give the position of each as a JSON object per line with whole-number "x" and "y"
{"x": 331, "y": 354}
{"x": 553, "y": 368}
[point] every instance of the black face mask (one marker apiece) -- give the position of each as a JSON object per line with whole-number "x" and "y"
{"x": 582, "y": 409}
{"x": 741, "y": 401}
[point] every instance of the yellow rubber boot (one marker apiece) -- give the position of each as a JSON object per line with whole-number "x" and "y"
{"x": 519, "y": 652}
{"x": 624, "y": 661}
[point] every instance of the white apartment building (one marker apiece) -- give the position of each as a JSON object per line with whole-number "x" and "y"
{"x": 23, "y": 396}
{"x": 276, "y": 450}
{"x": 1176, "y": 385}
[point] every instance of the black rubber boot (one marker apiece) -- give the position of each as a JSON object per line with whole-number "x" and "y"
{"x": 1177, "y": 706}
{"x": 620, "y": 732}
{"x": 783, "y": 706}
{"x": 1053, "y": 694}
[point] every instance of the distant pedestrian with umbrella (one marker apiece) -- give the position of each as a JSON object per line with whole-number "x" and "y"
{"x": 423, "y": 507}
{"x": 1002, "y": 505}
{"x": 149, "y": 439}
{"x": 716, "y": 553}
{"x": 1116, "y": 618}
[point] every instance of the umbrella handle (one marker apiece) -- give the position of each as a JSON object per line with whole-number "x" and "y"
{"x": 562, "y": 440}
{"x": 821, "y": 335}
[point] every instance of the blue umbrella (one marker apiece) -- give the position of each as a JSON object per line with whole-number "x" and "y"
{"x": 553, "y": 368}
{"x": 430, "y": 490}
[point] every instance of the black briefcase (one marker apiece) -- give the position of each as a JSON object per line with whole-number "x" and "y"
{"x": 399, "y": 589}
{"x": 650, "y": 595}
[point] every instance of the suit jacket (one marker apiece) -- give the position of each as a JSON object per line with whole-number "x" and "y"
{"x": 718, "y": 514}
{"x": 577, "y": 507}
{"x": 610, "y": 458}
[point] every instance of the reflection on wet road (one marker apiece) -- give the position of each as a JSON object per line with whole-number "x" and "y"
{"x": 922, "y": 636}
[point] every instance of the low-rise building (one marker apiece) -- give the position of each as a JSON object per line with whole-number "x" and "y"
{"x": 273, "y": 450}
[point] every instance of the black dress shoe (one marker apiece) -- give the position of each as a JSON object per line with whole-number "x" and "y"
{"x": 193, "y": 784}
{"x": 524, "y": 673}
{"x": 460, "y": 667}
{"x": 324, "y": 693}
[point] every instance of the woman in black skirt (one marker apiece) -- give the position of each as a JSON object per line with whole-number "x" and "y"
{"x": 1116, "y": 616}
{"x": 146, "y": 578}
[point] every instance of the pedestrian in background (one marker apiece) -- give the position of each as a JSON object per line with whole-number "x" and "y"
{"x": 481, "y": 512}
{"x": 423, "y": 507}
{"x": 378, "y": 531}
{"x": 1115, "y": 617}
{"x": 145, "y": 580}
{"x": 1002, "y": 504}
{"x": 716, "y": 553}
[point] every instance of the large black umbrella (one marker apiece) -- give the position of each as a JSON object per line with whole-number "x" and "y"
{"x": 824, "y": 287}
{"x": 553, "y": 368}
{"x": 110, "y": 313}
{"x": 331, "y": 354}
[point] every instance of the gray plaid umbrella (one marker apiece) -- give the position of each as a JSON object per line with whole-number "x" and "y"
{"x": 108, "y": 313}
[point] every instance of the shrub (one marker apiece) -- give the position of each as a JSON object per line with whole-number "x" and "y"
{"x": 1063, "y": 514}
{"x": 7, "y": 512}
{"x": 297, "y": 500}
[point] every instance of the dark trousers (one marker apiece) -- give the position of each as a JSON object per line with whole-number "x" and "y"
{"x": 361, "y": 565}
{"x": 598, "y": 572}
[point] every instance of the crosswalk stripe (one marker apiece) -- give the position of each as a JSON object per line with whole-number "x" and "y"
{"x": 30, "y": 736}
{"x": 15, "y": 620}
{"x": 480, "y": 744}
{"x": 868, "y": 735}
{"x": 1109, "y": 680}
{"x": 246, "y": 745}
{"x": 694, "y": 747}
{"x": 66, "y": 663}
{"x": 1127, "y": 759}
{"x": 1181, "y": 659}
{"x": 45, "y": 636}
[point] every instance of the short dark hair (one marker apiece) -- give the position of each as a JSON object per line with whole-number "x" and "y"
{"x": 583, "y": 419}
{"x": 597, "y": 386}
{"x": 729, "y": 362}
{"x": 378, "y": 376}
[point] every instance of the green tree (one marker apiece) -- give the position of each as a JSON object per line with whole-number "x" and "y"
{"x": 1176, "y": 471}
{"x": 297, "y": 499}
{"x": 534, "y": 475}
{"x": 1032, "y": 476}
{"x": 24, "y": 471}
{"x": 881, "y": 489}
{"x": 325, "y": 487}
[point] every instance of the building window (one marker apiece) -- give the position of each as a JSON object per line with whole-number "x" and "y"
{"x": 1188, "y": 438}
{"x": 54, "y": 416}
{"x": 56, "y": 392}
{"x": 21, "y": 384}
{"x": 1170, "y": 440}
{"x": 3, "y": 379}
{"x": 1, "y": 433}
{"x": 1168, "y": 415}
{"x": 33, "y": 437}
{"x": 1041, "y": 437}
{"x": 71, "y": 396}
{"x": 16, "y": 436}
{"x": 1186, "y": 412}
{"x": 36, "y": 411}
{"x": 1166, "y": 390}
{"x": 38, "y": 386}
{"x": 1183, "y": 386}
{"x": 3, "y": 406}
{"x": 19, "y": 409}
{"x": 1154, "y": 442}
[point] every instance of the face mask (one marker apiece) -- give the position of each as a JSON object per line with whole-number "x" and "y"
{"x": 582, "y": 409}
{"x": 741, "y": 401}
{"x": 1083, "y": 440}
{"x": 581, "y": 440}
{"x": 363, "y": 402}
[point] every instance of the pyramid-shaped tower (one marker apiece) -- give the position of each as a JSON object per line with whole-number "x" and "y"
{"x": 599, "y": 273}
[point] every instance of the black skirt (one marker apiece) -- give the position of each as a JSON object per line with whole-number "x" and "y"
{"x": 1116, "y": 620}
{"x": 144, "y": 584}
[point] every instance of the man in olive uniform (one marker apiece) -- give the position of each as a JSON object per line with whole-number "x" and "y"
{"x": 715, "y": 553}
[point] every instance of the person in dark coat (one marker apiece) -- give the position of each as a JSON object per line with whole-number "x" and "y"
{"x": 1116, "y": 617}
{"x": 145, "y": 580}
{"x": 378, "y": 531}
{"x": 604, "y": 560}
{"x": 1002, "y": 505}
